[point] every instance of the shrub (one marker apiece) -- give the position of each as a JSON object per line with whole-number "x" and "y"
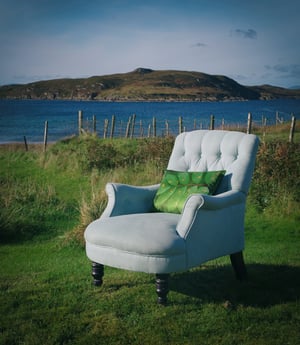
{"x": 157, "y": 150}
{"x": 100, "y": 155}
{"x": 37, "y": 190}
{"x": 276, "y": 177}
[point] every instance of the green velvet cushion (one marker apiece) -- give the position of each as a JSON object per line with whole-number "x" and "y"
{"x": 176, "y": 186}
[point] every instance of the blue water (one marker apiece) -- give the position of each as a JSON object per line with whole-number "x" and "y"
{"x": 27, "y": 118}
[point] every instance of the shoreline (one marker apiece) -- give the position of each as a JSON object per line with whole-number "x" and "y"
{"x": 141, "y": 100}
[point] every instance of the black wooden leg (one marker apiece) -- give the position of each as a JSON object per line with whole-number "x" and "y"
{"x": 238, "y": 265}
{"x": 162, "y": 288}
{"x": 97, "y": 273}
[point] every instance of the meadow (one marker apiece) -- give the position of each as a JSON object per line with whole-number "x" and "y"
{"x": 46, "y": 292}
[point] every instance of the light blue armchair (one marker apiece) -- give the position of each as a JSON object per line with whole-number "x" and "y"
{"x": 129, "y": 235}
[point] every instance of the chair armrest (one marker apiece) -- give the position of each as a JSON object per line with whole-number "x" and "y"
{"x": 127, "y": 199}
{"x": 215, "y": 202}
{"x": 197, "y": 202}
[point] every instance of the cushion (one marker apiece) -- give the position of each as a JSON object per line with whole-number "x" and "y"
{"x": 176, "y": 186}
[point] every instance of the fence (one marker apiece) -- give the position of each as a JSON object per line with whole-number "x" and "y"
{"x": 132, "y": 128}
{"x": 139, "y": 129}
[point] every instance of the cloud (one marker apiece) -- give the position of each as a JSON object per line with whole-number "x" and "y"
{"x": 250, "y": 33}
{"x": 287, "y": 71}
{"x": 199, "y": 45}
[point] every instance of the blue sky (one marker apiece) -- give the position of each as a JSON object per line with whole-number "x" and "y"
{"x": 254, "y": 42}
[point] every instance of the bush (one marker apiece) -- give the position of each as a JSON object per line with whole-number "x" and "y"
{"x": 276, "y": 180}
{"x": 157, "y": 150}
{"x": 275, "y": 188}
{"x": 38, "y": 190}
{"x": 88, "y": 152}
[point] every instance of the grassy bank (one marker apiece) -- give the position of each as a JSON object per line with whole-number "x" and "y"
{"x": 46, "y": 295}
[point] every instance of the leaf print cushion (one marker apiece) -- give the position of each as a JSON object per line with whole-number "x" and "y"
{"x": 176, "y": 186}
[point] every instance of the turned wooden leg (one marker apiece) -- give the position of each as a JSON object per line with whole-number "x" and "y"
{"x": 162, "y": 288}
{"x": 238, "y": 265}
{"x": 97, "y": 273}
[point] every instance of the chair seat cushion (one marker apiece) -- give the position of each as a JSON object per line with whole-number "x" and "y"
{"x": 143, "y": 233}
{"x": 146, "y": 242}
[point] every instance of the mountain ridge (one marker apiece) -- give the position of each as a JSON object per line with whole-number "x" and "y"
{"x": 144, "y": 84}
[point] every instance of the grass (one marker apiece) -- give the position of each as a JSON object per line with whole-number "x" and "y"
{"x": 46, "y": 294}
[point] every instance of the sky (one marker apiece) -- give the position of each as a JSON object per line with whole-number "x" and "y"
{"x": 254, "y": 42}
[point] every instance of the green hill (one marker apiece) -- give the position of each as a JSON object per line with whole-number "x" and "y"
{"x": 145, "y": 84}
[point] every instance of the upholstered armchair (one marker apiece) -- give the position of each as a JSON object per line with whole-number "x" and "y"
{"x": 131, "y": 234}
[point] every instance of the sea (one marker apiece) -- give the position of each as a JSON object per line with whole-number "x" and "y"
{"x": 27, "y": 118}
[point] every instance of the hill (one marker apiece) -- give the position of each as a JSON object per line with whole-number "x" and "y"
{"x": 145, "y": 84}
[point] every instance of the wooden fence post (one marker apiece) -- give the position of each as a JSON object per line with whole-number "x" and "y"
{"x": 141, "y": 129}
{"x": 132, "y": 126}
{"x": 45, "y": 135}
{"x": 154, "y": 126}
{"x": 25, "y": 142}
{"x": 80, "y": 117}
{"x": 167, "y": 128}
{"x": 105, "y": 128}
{"x": 292, "y": 130}
{"x": 249, "y": 123}
{"x": 128, "y": 127}
{"x": 278, "y": 120}
{"x": 180, "y": 126}
{"x": 112, "y": 128}
{"x": 212, "y": 122}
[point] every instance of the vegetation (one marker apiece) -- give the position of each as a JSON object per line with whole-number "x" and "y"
{"x": 145, "y": 84}
{"x": 46, "y": 295}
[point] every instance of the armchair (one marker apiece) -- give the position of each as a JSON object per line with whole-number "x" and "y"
{"x": 131, "y": 235}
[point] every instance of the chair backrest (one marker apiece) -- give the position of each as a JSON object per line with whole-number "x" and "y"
{"x": 209, "y": 150}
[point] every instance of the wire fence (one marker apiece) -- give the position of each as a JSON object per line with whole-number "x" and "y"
{"x": 139, "y": 128}
{"x": 134, "y": 128}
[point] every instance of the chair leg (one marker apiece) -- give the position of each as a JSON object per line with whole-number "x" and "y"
{"x": 238, "y": 265}
{"x": 97, "y": 273}
{"x": 162, "y": 288}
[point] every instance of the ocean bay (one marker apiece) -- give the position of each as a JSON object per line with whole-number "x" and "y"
{"x": 19, "y": 118}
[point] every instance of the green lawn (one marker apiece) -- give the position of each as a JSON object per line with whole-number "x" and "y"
{"x": 46, "y": 291}
{"x": 47, "y": 297}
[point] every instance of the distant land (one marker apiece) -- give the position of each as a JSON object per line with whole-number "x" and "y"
{"x": 144, "y": 84}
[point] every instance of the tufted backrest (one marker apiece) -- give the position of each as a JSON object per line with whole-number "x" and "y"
{"x": 208, "y": 150}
